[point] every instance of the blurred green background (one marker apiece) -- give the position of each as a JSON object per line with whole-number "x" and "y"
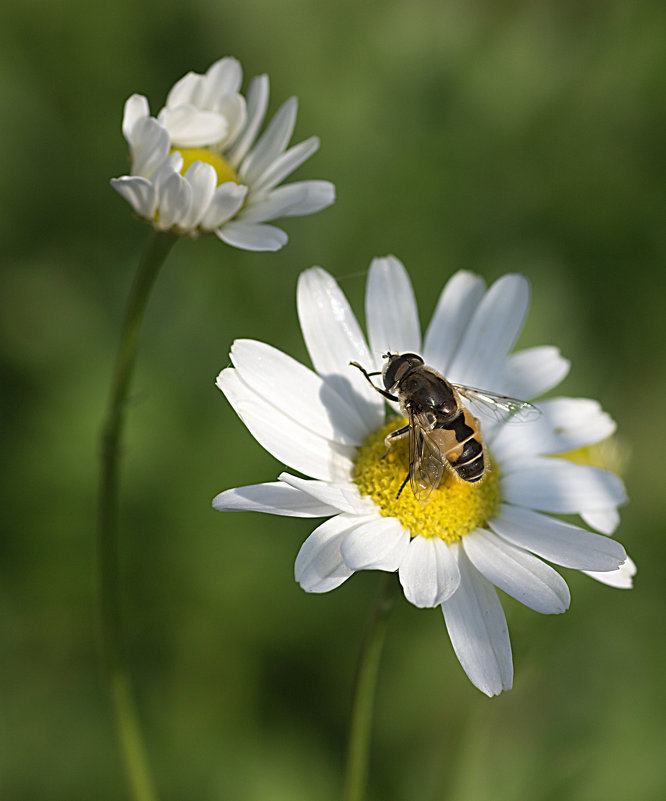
{"x": 487, "y": 135}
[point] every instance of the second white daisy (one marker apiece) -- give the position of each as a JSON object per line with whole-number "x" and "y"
{"x": 198, "y": 167}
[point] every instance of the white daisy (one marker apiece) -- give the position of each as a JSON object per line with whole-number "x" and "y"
{"x": 198, "y": 167}
{"x": 469, "y": 538}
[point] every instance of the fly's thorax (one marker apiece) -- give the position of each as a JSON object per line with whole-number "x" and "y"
{"x": 424, "y": 390}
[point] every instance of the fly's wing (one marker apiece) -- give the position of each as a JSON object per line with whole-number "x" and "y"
{"x": 499, "y": 407}
{"x": 425, "y": 461}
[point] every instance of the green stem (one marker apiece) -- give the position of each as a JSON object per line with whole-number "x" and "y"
{"x": 125, "y": 715}
{"x": 360, "y": 727}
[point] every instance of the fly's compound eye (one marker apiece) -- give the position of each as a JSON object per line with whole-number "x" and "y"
{"x": 397, "y": 367}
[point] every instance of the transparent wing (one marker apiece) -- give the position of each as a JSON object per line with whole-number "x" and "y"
{"x": 500, "y": 407}
{"x": 425, "y": 462}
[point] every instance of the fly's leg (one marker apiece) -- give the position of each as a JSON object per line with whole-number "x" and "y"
{"x": 399, "y": 433}
{"x": 367, "y": 375}
{"x": 402, "y": 486}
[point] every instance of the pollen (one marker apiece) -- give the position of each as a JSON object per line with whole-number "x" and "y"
{"x": 224, "y": 170}
{"x": 454, "y": 509}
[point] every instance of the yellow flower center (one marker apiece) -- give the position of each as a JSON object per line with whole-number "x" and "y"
{"x": 455, "y": 508}
{"x": 609, "y": 454}
{"x": 225, "y": 172}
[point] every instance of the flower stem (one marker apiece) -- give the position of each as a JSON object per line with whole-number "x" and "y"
{"x": 114, "y": 662}
{"x": 358, "y": 748}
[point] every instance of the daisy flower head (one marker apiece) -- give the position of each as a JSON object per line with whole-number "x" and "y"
{"x": 470, "y": 538}
{"x": 200, "y": 165}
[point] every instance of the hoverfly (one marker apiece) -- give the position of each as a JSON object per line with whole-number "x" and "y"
{"x": 442, "y": 431}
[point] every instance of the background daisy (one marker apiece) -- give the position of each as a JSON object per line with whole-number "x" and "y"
{"x": 201, "y": 166}
{"x": 467, "y": 540}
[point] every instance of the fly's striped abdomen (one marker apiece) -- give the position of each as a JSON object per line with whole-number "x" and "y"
{"x": 464, "y": 449}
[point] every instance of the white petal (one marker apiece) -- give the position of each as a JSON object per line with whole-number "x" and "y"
{"x": 271, "y": 143}
{"x": 203, "y": 180}
{"x": 136, "y": 108}
{"x": 250, "y": 236}
{"x": 529, "y": 373}
{"x": 281, "y": 436}
{"x": 621, "y": 579}
{"x": 555, "y": 485}
{"x": 517, "y": 572}
{"x": 284, "y": 165}
{"x": 188, "y": 126}
{"x": 189, "y": 89}
{"x": 557, "y": 541}
{"x": 297, "y": 391}
{"x": 333, "y": 338}
{"x": 233, "y": 109}
{"x": 138, "y": 192}
{"x": 171, "y": 166}
{"x": 172, "y": 163}
{"x": 291, "y": 200}
{"x": 174, "y": 200}
{"x": 319, "y": 566}
{"x": 227, "y": 199}
{"x": 257, "y": 102}
{"x": 491, "y": 332}
{"x": 275, "y": 204}
{"x": 565, "y": 424}
{"x": 318, "y": 195}
{"x": 164, "y": 173}
{"x": 150, "y": 146}
{"x": 378, "y": 544}
{"x": 603, "y": 520}
{"x": 429, "y": 572}
{"x": 390, "y": 310}
{"x": 457, "y": 303}
{"x": 223, "y": 77}
{"x": 477, "y": 627}
{"x": 342, "y": 497}
{"x": 274, "y": 498}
